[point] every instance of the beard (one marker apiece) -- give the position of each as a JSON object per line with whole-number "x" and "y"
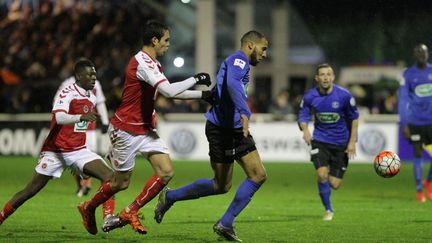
{"x": 254, "y": 60}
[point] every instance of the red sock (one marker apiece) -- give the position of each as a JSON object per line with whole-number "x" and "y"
{"x": 153, "y": 186}
{"x": 7, "y": 210}
{"x": 102, "y": 195}
{"x": 108, "y": 207}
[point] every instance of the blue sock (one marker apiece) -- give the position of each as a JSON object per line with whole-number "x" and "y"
{"x": 198, "y": 188}
{"x": 429, "y": 178}
{"x": 241, "y": 199}
{"x": 325, "y": 193}
{"x": 418, "y": 173}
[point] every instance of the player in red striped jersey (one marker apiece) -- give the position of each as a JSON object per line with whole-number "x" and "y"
{"x": 133, "y": 127}
{"x": 65, "y": 146}
{"x": 84, "y": 183}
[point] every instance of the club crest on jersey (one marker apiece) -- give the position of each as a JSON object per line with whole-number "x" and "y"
{"x": 86, "y": 109}
{"x": 240, "y": 63}
{"x": 430, "y": 76}
{"x": 335, "y": 105}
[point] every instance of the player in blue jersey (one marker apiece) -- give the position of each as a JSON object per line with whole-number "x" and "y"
{"x": 415, "y": 109}
{"x": 227, "y": 131}
{"x": 334, "y": 137}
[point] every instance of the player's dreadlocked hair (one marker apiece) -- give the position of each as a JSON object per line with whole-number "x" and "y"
{"x": 153, "y": 29}
{"x": 252, "y": 36}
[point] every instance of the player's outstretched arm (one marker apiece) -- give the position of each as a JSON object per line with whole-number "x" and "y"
{"x": 172, "y": 90}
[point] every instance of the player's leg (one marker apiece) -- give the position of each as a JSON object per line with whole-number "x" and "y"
{"x": 248, "y": 157}
{"x": 90, "y": 164}
{"x": 222, "y": 167}
{"x": 164, "y": 171}
{"x": 221, "y": 183}
{"x": 427, "y": 141}
{"x": 418, "y": 170}
{"x": 320, "y": 157}
{"x": 33, "y": 187}
{"x": 256, "y": 176}
{"x": 84, "y": 181}
{"x": 417, "y": 133}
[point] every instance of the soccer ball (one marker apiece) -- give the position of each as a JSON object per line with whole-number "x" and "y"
{"x": 387, "y": 164}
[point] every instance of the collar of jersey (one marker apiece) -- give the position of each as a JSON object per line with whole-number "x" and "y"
{"x": 80, "y": 90}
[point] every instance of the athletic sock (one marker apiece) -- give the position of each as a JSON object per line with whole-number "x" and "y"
{"x": 6, "y": 212}
{"x": 153, "y": 186}
{"x": 241, "y": 199}
{"x": 429, "y": 178}
{"x": 103, "y": 194}
{"x": 325, "y": 193}
{"x": 199, "y": 188}
{"x": 108, "y": 207}
{"x": 418, "y": 173}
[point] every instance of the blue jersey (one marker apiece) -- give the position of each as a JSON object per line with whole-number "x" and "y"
{"x": 415, "y": 96}
{"x": 333, "y": 114}
{"x": 231, "y": 92}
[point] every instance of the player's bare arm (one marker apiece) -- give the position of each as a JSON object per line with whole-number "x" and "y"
{"x": 307, "y": 137}
{"x": 245, "y": 124}
{"x": 351, "y": 146}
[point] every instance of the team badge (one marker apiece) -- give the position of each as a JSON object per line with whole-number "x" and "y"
{"x": 352, "y": 101}
{"x": 44, "y": 166}
{"x": 335, "y": 104}
{"x": 85, "y": 109}
{"x": 240, "y": 63}
{"x": 430, "y": 76}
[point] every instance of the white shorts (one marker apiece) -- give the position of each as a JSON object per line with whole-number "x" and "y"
{"x": 91, "y": 140}
{"x": 53, "y": 164}
{"x": 125, "y": 146}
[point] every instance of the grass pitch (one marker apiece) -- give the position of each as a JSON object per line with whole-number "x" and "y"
{"x": 287, "y": 208}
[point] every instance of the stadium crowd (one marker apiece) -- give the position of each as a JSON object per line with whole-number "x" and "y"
{"x": 40, "y": 43}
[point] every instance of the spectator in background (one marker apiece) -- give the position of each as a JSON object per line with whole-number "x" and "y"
{"x": 415, "y": 110}
{"x": 281, "y": 106}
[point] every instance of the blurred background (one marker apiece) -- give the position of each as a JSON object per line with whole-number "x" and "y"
{"x": 367, "y": 42}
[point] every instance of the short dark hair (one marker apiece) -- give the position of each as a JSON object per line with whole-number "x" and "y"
{"x": 81, "y": 64}
{"x": 253, "y": 36}
{"x": 322, "y": 65}
{"x": 153, "y": 29}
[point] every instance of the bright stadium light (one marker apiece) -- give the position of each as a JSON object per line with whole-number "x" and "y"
{"x": 178, "y": 62}
{"x": 185, "y": 1}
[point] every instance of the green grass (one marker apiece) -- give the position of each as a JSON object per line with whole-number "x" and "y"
{"x": 286, "y": 209}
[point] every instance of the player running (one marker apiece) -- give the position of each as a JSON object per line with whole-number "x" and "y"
{"x": 65, "y": 146}
{"x": 84, "y": 183}
{"x": 415, "y": 109}
{"x": 227, "y": 131}
{"x": 335, "y": 132}
{"x": 133, "y": 127}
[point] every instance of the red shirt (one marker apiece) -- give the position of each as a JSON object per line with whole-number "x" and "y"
{"x": 72, "y": 100}
{"x": 136, "y": 114}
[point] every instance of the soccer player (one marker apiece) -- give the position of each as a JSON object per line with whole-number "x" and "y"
{"x": 415, "y": 109}
{"x": 65, "y": 146}
{"x": 334, "y": 137}
{"x": 84, "y": 183}
{"x": 133, "y": 130}
{"x": 227, "y": 131}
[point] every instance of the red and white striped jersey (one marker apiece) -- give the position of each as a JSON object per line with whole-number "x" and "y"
{"x": 136, "y": 114}
{"x": 72, "y": 100}
{"x": 97, "y": 91}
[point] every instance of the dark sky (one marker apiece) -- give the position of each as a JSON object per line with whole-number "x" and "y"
{"x": 366, "y": 31}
